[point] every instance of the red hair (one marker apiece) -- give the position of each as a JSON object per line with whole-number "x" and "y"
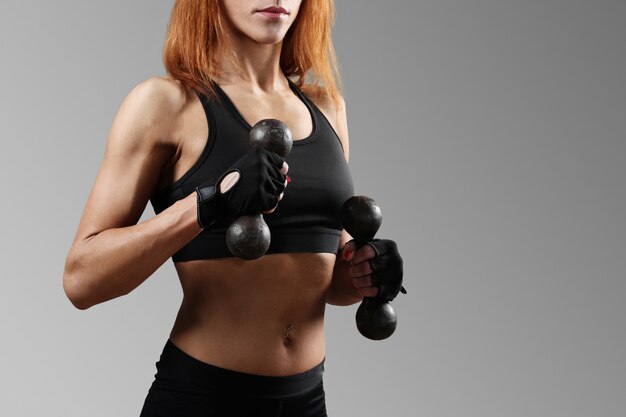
{"x": 195, "y": 30}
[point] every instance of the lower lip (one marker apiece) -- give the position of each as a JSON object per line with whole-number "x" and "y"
{"x": 273, "y": 15}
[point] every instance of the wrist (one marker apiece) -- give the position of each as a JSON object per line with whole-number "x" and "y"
{"x": 186, "y": 210}
{"x": 209, "y": 205}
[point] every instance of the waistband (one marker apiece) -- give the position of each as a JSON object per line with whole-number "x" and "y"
{"x": 178, "y": 365}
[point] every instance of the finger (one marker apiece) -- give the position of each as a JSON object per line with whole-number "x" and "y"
{"x": 361, "y": 282}
{"x": 276, "y": 174}
{"x": 280, "y": 197}
{"x": 274, "y": 159}
{"x": 386, "y": 276}
{"x": 364, "y": 253}
{"x": 348, "y": 250}
{"x": 360, "y": 270}
{"x": 368, "y": 291}
{"x": 285, "y": 168}
{"x": 275, "y": 185}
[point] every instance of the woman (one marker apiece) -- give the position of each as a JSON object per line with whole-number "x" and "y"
{"x": 248, "y": 338}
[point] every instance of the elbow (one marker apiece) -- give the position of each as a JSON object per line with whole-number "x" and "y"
{"x": 75, "y": 289}
{"x": 343, "y": 299}
{"x": 75, "y": 292}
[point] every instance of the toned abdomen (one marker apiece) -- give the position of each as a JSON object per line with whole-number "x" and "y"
{"x": 264, "y": 316}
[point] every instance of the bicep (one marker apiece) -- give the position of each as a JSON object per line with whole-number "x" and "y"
{"x": 342, "y": 131}
{"x": 131, "y": 165}
{"x": 341, "y": 124}
{"x": 336, "y": 115}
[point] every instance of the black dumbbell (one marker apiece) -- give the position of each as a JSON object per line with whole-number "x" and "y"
{"x": 361, "y": 217}
{"x": 248, "y": 237}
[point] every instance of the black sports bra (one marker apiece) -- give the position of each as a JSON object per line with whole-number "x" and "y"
{"x": 307, "y": 219}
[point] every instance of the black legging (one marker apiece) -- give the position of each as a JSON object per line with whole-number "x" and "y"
{"x": 187, "y": 387}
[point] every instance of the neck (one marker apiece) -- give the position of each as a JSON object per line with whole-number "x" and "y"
{"x": 259, "y": 65}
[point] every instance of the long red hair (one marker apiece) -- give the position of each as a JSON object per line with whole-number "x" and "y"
{"x": 195, "y": 30}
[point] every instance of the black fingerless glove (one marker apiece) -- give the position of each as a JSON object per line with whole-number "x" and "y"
{"x": 257, "y": 189}
{"x": 386, "y": 269}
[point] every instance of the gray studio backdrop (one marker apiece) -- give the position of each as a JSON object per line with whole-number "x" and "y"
{"x": 492, "y": 134}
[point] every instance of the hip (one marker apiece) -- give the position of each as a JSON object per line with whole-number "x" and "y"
{"x": 186, "y": 386}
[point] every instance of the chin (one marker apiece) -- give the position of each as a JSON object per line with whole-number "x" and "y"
{"x": 268, "y": 38}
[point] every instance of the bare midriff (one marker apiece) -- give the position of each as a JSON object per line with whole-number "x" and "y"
{"x": 264, "y": 316}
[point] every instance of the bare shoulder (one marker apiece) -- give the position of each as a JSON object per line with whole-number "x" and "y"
{"x": 167, "y": 90}
{"x": 334, "y": 111}
{"x": 135, "y": 154}
{"x": 160, "y": 100}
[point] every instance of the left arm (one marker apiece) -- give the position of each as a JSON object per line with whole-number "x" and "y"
{"x": 375, "y": 269}
{"x": 341, "y": 291}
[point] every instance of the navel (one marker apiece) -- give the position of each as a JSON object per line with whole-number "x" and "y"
{"x": 287, "y": 335}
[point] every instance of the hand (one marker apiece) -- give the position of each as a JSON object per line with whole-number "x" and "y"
{"x": 260, "y": 183}
{"x": 377, "y": 268}
{"x": 254, "y": 184}
{"x": 283, "y": 170}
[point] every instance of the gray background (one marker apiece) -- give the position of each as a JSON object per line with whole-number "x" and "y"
{"x": 492, "y": 134}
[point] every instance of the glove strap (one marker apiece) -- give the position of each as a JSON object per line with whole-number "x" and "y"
{"x": 211, "y": 205}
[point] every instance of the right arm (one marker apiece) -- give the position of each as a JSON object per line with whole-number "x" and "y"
{"x": 111, "y": 254}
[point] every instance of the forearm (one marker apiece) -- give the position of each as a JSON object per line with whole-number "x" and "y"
{"x": 341, "y": 291}
{"x": 116, "y": 261}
